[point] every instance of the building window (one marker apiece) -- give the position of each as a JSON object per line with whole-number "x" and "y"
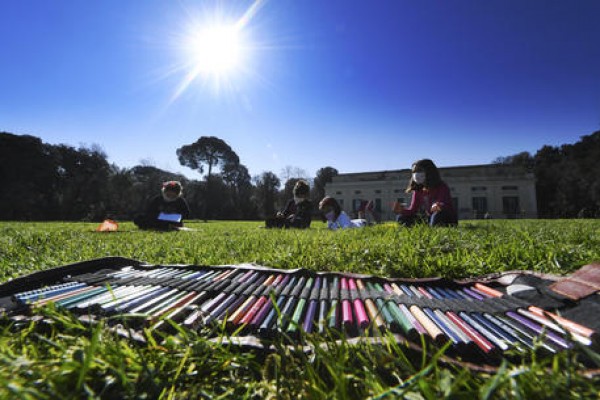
{"x": 356, "y": 204}
{"x": 378, "y": 191}
{"x": 341, "y": 203}
{"x": 510, "y": 206}
{"x": 510, "y": 188}
{"x": 478, "y": 189}
{"x": 397, "y": 190}
{"x": 378, "y": 205}
{"x": 455, "y": 203}
{"x": 480, "y": 207}
{"x": 357, "y": 192}
{"x": 338, "y": 193}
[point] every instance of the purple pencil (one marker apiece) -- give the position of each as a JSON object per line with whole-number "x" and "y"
{"x": 539, "y": 329}
{"x": 312, "y": 307}
{"x": 263, "y": 312}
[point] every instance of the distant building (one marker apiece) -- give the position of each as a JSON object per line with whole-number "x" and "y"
{"x": 478, "y": 191}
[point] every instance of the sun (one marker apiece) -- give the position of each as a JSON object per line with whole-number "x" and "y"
{"x": 217, "y": 50}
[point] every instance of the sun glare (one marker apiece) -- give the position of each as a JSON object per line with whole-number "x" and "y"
{"x": 217, "y": 49}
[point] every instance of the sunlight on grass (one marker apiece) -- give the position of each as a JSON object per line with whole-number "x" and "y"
{"x": 62, "y": 358}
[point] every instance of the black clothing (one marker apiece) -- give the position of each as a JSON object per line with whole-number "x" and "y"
{"x": 293, "y": 216}
{"x": 439, "y": 218}
{"x": 158, "y": 205}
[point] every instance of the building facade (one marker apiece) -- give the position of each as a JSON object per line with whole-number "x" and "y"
{"x": 478, "y": 191}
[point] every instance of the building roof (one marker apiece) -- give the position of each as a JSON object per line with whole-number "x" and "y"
{"x": 471, "y": 170}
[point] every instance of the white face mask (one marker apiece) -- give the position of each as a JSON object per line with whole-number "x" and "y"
{"x": 419, "y": 177}
{"x": 169, "y": 199}
{"x": 330, "y": 216}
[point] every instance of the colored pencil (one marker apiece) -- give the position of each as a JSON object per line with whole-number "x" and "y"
{"x": 309, "y": 318}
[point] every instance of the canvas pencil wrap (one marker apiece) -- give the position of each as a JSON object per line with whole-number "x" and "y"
{"x": 482, "y": 318}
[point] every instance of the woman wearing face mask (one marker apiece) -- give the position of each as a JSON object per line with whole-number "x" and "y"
{"x": 430, "y": 198}
{"x": 165, "y": 211}
{"x": 335, "y": 217}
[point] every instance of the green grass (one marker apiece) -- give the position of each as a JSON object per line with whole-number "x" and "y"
{"x": 66, "y": 359}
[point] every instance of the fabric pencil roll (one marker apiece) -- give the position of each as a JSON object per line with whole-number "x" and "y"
{"x": 473, "y": 318}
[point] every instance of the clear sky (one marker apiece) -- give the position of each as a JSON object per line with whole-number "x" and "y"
{"x": 357, "y": 85}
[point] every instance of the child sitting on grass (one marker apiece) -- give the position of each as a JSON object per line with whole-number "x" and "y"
{"x": 297, "y": 212}
{"x": 431, "y": 201}
{"x": 165, "y": 211}
{"x": 336, "y": 217}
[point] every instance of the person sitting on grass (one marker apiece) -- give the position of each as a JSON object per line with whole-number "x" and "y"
{"x": 165, "y": 211}
{"x": 367, "y": 211}
{"x": 297, "y": 212}
{"x": 431, "y": 201}
{"x": 336, "y": 217}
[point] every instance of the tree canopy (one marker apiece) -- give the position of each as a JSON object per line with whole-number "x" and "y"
{"x": 567, "y": 177}
{"x": 209, "y": 151}
{"x": 59, "y": 182}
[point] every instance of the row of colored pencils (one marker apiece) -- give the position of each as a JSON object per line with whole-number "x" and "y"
{"x": 269, "y": 302}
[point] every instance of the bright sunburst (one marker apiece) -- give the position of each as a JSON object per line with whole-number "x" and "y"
{"x": 216, "y": 49}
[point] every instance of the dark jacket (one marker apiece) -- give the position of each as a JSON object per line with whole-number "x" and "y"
{"x": 158, "y": 204}
{"x": 149, "y": 220}
{"x": 298, "y": 215}
{"x": 292, "y": 216}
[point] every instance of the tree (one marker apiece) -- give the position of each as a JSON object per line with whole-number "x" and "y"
{"x": 29, "y": 176}
{"x": 290, "y": 172}
{"x": 239, "y": 182}
{"x": 208, "y": 150}
{"x": 267, "y": 186}
{"x": 146, "y": 182}
{"x": 522, "y": 159}
{"x": 288, "y": 190}
{"x": 567, "y": 177}
{"x": 83, "y": 182}
{"x": 324, "y": 176}
{"x": 212, "y": 152}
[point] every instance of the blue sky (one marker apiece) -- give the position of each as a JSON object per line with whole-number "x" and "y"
{"x": 357, "y": 85}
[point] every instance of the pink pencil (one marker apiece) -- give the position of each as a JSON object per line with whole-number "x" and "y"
{"x": 347, "y": 319}
{"x": 359, "y": 308}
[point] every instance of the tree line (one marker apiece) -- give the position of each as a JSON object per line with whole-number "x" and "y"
{"x": 41, "y": 181}
{"x": 567, "y": 177}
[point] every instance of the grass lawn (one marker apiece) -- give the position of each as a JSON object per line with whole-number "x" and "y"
{"x": 69, "y": 360}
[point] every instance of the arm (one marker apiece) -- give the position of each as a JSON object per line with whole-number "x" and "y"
{"x": 184, "y": 209}
{"x": 344, "y": 221}
{"x": 415, "y": 203}
{"x": 442, "y": 198}
{"x": 153, "y": 207}
{"x": 290, "y": 208}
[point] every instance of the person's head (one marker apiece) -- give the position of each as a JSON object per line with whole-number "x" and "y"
{"x": 171, "y": 190}
{"x": 301, "y": 190}
{"x": 330, "y": 208}
{"x": 424, "y": 174}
